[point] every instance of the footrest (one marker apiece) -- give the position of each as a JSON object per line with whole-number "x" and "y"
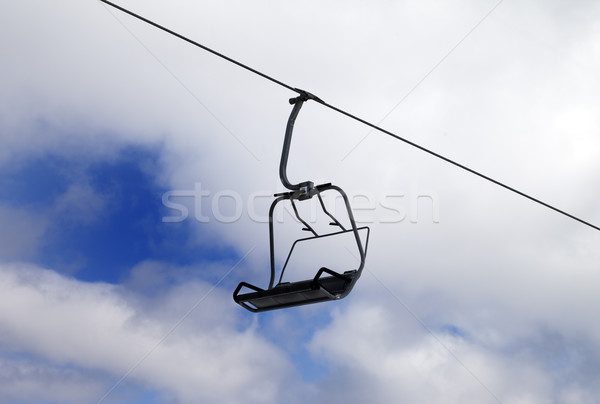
{"x": 322, "y": 288}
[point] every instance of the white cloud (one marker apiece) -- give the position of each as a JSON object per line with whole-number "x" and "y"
{"x": 94, "y": 327}
{"x": 401, "y": 361}
{"x": 21, "y": 233}
{"x": 31, "y": 381}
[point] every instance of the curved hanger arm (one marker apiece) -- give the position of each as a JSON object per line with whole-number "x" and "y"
{"x": 287, "y": 142}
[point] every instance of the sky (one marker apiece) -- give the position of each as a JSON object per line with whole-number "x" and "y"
{"x": 136, "y": 173}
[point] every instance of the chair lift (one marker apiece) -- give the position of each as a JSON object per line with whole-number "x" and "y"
{"x": 326, "y": 284}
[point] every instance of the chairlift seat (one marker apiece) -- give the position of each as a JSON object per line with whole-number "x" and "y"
{"x": 321, "y": 288}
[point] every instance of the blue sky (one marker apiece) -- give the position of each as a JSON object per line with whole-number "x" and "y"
{"x": 470, "y": 293}
{"x": 129, "y": 223}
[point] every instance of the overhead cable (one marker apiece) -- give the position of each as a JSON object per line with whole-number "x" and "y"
{"x": 349, "y": 115}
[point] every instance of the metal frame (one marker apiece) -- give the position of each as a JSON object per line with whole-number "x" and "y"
{"x": 334, "y": 285}
{"x": 353, "y": 228}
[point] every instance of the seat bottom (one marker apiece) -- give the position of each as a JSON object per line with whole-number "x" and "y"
{"x": 292, "y": 294}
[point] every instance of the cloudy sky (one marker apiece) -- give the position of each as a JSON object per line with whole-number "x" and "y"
{"x": 136, "y": 174}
